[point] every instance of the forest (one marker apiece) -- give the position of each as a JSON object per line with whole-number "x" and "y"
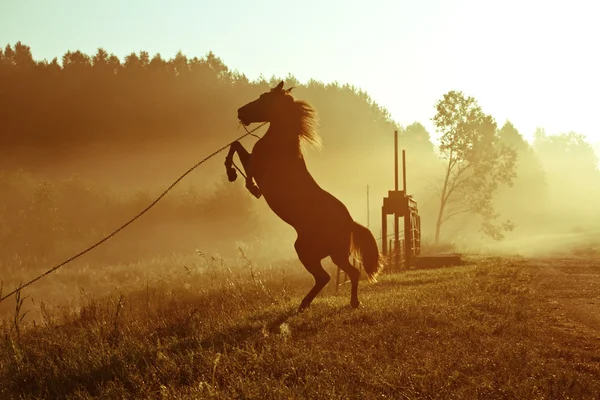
{"x": 88, "y": 141}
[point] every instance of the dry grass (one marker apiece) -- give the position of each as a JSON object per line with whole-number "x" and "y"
{"x": 478, "y": 331}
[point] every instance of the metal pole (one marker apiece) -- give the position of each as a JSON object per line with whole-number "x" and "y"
{"x": 418, "y": 247}
{"x": 404, "y": 172}
{"x": 396, "y": 160}
{"x": 368, "y": 216}
{"x": 408, "y": 243}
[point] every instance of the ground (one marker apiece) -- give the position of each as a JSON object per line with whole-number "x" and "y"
{"x": 493, "y": 329}
{"x": 571, "y": 291}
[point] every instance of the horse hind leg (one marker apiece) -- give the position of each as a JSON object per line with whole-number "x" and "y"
{"x": 354, "y": 274}
{"x": 313, "y": 264}
{"x": 321, "y": 279}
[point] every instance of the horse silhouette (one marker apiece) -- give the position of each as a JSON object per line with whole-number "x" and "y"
{"x": 277, "y": 170}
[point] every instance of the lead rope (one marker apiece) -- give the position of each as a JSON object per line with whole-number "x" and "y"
{"x": 144, "y": 211}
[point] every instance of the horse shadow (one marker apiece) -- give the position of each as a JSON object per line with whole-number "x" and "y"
{"x": 266, "y": 325}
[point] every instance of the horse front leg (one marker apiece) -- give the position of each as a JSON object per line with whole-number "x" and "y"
{"x": 244, "y": 155}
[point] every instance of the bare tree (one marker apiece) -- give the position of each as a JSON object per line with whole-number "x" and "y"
{"x": 476, "y": 163}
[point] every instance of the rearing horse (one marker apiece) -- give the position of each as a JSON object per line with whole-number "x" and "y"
{"x": 322, "y": 222}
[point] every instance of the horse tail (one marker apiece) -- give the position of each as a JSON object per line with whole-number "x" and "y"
{"x": 364, "y": 245}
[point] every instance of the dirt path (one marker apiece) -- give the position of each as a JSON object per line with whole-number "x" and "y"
{"x": 571, "y": 290}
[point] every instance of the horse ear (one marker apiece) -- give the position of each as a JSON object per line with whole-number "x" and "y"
{"x": 280, "y": 86}
{"x": 289, "y": 90}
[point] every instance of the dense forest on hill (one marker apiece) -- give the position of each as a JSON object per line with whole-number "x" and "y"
{"x": 92, "y": 99}
{"x": 86, "y": 141}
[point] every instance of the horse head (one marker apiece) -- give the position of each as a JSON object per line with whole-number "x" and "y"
{"x": 267, "y": 107}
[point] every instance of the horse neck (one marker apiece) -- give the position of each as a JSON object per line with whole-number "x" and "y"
{"x": 284, "y": 138}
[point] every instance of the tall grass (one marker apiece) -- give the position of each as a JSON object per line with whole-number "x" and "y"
{"x": 215, "y": 331}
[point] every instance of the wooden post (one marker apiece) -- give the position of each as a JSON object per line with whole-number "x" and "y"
{"x": 408, "y": 226}
{"x": 390, "y": 258}
{"x": 407, "y": 238}
{"x": 397, "y": 241}
{"x": 401, "y": 251}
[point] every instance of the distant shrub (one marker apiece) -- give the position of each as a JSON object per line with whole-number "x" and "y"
{"x": 43, "y": 220}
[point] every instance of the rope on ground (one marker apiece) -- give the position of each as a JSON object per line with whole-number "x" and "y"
{"x": 144, "y": 211}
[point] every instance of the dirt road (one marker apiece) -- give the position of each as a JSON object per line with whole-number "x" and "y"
{"x": 570, "y": 288}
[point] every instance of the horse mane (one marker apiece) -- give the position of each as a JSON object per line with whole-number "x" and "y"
{"x": 303, "y": 116}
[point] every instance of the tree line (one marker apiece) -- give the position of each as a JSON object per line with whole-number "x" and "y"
{"x": 480, "y": 173}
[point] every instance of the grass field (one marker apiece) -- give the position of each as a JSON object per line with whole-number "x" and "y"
{"x": 493, "y": 329}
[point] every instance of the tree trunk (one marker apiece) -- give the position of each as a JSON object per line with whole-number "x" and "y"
{"x": 443, "y": 199}
{"x": 438, "y": 223}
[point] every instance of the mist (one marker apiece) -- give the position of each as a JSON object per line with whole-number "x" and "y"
{"x": 89, "y": 142}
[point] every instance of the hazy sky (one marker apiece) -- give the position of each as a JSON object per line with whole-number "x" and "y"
{"x": 533, "y": 62}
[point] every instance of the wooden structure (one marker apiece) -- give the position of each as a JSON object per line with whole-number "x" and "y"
{"x": 400, "y": 205}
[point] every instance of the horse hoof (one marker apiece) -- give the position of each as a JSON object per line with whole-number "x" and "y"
{"x": 252, "y": 188}
{"x": 355, "y": 304}
{"x": 231, "y": 174}
{"x": 302, "y": 308}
